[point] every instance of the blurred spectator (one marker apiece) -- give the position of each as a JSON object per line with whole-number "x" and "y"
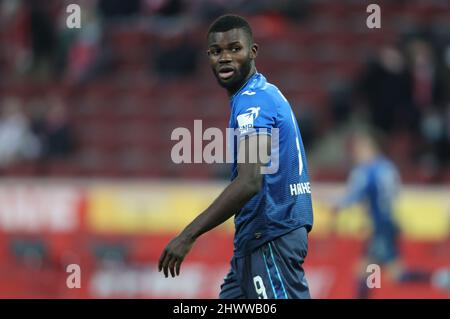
{"x": 405, "y": 95}
{"x": 17, "y": 142}
{"x": 43, "y": 37}
{"x": 295, "y": 10}
{"x": 177, "y": 56}
{"x": 423, "y": 72}
{"x": 340, "y": 103}
{"x": 429, "y": 97}
{"x": 111, "y": 9}
{"x": 83, "y": 48}
{"x": 444, "y": 150}
{"x": 53, "y": 128}
{"x": 385, "y": 86}
{"x": 209, "y": 12}
{"x": 169, "y": 8}
{"x": 14, "y": 21}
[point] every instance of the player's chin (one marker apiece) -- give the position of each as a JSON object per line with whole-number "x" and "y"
{"x": 227, "y": 83}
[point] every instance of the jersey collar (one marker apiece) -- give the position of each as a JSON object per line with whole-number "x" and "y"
{"x": 244, "y": 85}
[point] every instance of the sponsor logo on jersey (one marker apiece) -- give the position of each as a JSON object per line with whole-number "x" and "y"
{"x": 246, "y": 120}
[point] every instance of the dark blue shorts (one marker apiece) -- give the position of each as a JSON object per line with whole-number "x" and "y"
{"x": 383, "y": 246}
{"x": 272, "y": 271}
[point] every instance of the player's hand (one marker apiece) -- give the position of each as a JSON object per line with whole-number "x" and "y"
{"x": 173, "y": 255}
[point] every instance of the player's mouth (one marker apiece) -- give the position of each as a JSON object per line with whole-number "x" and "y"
{"x": 225, "y": 73}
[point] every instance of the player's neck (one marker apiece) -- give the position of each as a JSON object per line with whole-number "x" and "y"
{"x": 232, "y": 91}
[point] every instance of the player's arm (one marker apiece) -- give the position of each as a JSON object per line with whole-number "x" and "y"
{"x": 247, "y": 184}
{"x": 356, "y": 190}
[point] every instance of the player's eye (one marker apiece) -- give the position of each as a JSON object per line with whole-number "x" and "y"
{"x": 214, "y": 52}
{"x": 236, "y": 49}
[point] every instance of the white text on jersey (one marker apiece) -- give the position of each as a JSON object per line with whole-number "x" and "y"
{"x": 300, "y": 188}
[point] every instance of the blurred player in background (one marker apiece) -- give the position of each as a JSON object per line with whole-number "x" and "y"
{"x": 273, "y": 212}
{"x": 375, "y": 181}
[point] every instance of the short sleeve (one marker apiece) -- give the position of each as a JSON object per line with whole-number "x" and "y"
{"x": 255, "y": 114}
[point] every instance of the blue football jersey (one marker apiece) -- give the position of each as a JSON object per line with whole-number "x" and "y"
{"x": 284, "y": 202}
{"x": 376, "y": 184}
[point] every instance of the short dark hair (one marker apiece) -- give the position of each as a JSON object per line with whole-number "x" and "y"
{"x": 228, "y": 22}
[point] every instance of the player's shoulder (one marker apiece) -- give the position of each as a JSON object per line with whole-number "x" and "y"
{"x": 262, "y": 96}
{"x": 254, "y": 94}
{"x": 360, "y": 170}
{"x": 384, "y": 168}
{"x": 384, "y": 163}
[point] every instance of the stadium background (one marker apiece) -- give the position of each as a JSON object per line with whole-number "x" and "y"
{"x": 86, "y": 116}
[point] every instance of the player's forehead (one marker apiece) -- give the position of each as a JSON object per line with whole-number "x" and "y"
{"x": 224, "y": 39}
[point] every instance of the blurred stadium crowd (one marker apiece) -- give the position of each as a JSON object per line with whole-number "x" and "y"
{"x": 102, "y": 100}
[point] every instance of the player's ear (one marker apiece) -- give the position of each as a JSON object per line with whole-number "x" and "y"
{"x": 208, "y": 52}
{"x": 254, "y": 51}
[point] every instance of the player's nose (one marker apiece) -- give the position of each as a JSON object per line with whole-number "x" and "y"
{"x": 225, "y": 57}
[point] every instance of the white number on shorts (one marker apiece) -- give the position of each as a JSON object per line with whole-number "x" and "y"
{"x": 259, "y": 287}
